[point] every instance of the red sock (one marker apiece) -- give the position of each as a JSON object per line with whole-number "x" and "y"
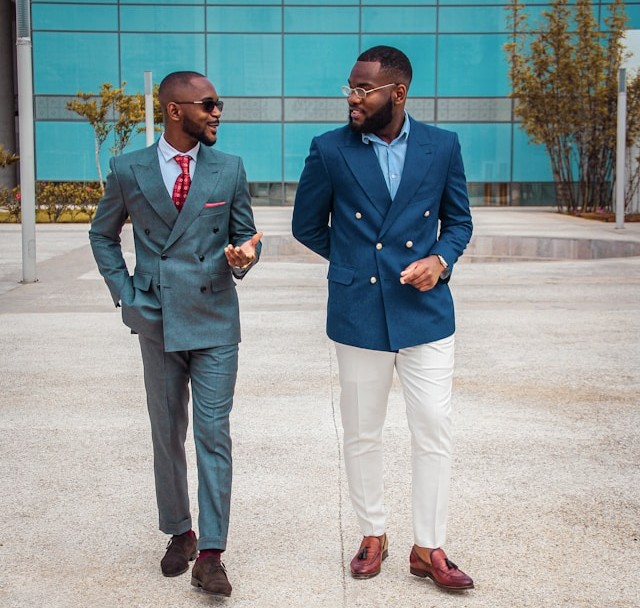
{"x": 204, "y": 553}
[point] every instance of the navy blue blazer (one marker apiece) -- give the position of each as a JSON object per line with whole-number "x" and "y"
{"x": 343, "y": 212}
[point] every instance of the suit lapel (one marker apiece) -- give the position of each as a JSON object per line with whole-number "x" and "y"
{"x": 149, "y": 178}
{"x": 363, "y": 164}
{"x": 204, "y": 182}
{"x": 416, "y": 166}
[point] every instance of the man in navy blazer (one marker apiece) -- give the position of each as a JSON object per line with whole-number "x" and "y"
{"x": 384, "y": 200}
{"x": 181, "y": 301}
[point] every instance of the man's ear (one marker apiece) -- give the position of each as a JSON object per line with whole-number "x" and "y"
{"x": 400, "y": 93}
{"x": 173, "y": 111}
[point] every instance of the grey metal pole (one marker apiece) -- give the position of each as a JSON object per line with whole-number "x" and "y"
{"x": 148, "y": 107}
{"x": 621, "y": 145}
{"x": 25, "y": 125}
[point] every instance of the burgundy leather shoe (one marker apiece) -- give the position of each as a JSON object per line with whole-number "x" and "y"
{"x": 442, "y": 571}
{"x": 368, "y": 561}
{"x": 210, "y": 575}
{"x": 181, "y": 549}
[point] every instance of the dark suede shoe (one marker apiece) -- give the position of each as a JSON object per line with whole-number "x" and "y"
{"x": 181, "y": 550}
{"x": 367, "y": 562}
{"x": 442, "y": 571}
{"x": 210, "y": 575}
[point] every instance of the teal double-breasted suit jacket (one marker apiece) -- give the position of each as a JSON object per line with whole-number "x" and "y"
{"x": 182, "y": 291}
{"x": 343, "y": 211}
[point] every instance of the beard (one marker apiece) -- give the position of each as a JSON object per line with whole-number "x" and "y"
{"x": 376, "y": 122}
{"x": 192, "y": 128}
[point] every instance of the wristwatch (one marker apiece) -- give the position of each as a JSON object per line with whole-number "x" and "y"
{"x": 446, "y": 272}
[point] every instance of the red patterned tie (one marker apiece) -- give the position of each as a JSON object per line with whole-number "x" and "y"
{"x": 181, "y": 187}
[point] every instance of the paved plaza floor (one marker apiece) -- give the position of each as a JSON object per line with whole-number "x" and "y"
{"x": 545, "y": 499}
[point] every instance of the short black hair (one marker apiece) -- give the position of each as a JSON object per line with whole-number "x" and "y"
{"x": 392, "y": 60}
{"x": 173, "y": 81}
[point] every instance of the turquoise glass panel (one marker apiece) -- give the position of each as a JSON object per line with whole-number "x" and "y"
{"x": 162, "y": 18}
{"x": 316, "y": 20}
{"x": 404, "y": 2}
{"x": 297, "y": 138}
{"x": 421, "y": 51}
{"x": 172, "y": 2}
{"x": 472, "y": 65}
{"x": 633, "y": 13}
{"x": 77, "y": 2}
{"x": 159, "y": 55}
{"x": 530, "y": 161}
{"x": 65, "y": 151}
{"x": 473, "y": 19}
{"x": 65, "y": 63}
{"x": 76, "y": 18}
{"x": 319, "y": 2}
{"x": 254, "y": 19}
{"x": 485, "y": 2}
{"x": 317, "y": 66}
{"x": 486, "y": 150}
{"x": 393, "y": 20}
{"x": 259, "y": 145}
{"x": 245, "y": 64}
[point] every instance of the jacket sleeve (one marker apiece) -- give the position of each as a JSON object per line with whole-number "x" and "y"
{"x": 241, "y": 223}
{"x": 313, "y": 204}
{"x": 456, "y": 224}
{"x": 104, "y": 236}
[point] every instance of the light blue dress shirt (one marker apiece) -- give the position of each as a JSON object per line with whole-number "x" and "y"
{"x": 391, "y": 155}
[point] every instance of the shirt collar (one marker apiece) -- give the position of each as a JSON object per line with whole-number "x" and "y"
{"x": 168, "y": 151}
{"x": 367, "y": 138}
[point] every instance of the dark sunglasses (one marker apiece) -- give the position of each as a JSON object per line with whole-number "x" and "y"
{"x": 207, "y": 103}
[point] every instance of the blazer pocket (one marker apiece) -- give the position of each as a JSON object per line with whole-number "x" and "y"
{"x": 341, "y": 274}
{"x": 142, "y": 280}
{"x": 221, "y": 281}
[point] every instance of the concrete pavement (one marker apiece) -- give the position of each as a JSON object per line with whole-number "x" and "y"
{"x": 545, "y": 501}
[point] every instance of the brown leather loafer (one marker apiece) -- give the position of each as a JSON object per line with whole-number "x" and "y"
{"x": 181, "y": 549}
{"x": 442, "y": 571}
{"x": 210, "y": 575}
{"x": 368, "y": 560}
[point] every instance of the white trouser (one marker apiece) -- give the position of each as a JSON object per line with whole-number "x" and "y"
{"x": 426, "y": 373}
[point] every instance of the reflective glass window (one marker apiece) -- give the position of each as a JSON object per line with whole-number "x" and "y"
{"x": 297, "y": 141}
{"x": 65, "y": 151}
{"x": 245, "y": 65}
{"x": 234, "y": 19}
{"x": 259, "y": 145}
{"x": 473, "y": 19}
{"x": 530, "y": 161}
{"x": 472, "y": 65}
{"x": 421, "y": 51}
{"x": 486, "y": 150}
{"x": 393, "y": 20}
{"x": 77, "y": 18}
{"x": 65, "y": 63}
{"x": 318, "y": 65}
{"x": 160, "y": 55}
{"x": 330, "y": 19}
{"x": 162, "y": 18}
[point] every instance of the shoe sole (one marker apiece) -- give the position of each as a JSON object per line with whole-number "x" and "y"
{"x": 371, "y": 574}
{"x": 196, "y": 583}
{"x": 423, "y": 574}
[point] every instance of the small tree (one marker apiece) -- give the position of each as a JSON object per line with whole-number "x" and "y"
{"x": 564, "y": 78}
{"x": 7, "y": 158}
{"x": 112, "y": 110}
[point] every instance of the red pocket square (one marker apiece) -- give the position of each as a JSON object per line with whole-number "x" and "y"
{"x": 207, "y": 205}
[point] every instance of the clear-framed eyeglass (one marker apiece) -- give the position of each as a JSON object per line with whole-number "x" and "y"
{"x": 362, "y": 93}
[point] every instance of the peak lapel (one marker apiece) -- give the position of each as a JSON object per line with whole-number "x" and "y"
{"x": 149, "y": 178}
{"x": 416, "y": 166}
{"x": 363, "y": 164}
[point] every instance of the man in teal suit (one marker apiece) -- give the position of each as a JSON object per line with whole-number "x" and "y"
{"x": 384, "y": 200}
{"x": 181, "y": 301}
